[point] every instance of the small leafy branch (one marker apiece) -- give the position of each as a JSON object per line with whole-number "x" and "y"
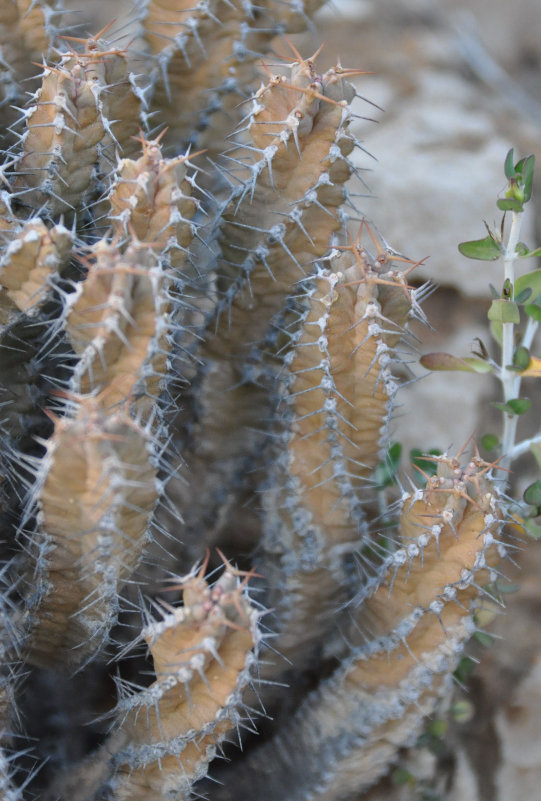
{"x": 514, "y": 316}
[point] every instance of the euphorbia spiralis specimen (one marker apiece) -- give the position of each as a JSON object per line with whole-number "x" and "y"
{"x": 194, "y": 352}
{"x": 204, "y": 653}
{"x": 97, "y": 491}
{"x": 72, "y": 127}
{"x": 178, "y": 37}
{"x": 292, "y": 163}
{"x": 414, "y": 618}
{"x": 333, "y": 410}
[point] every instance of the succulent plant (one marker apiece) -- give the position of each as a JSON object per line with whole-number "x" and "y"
{"x": 198, "y": 370}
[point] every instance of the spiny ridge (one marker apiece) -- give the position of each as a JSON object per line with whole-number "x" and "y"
{"x": 181, "y": 36}
{"x": 417, "y": 618}
{"x": 116, "y": 320}
{"x": 332, "y": 414}
{"x": 27, "y": 32}
{"x": 34, "y": 256}
{"x": 71, "y": 126}
{"x": 96, "y": 491}
{"x": 166, "y": 734}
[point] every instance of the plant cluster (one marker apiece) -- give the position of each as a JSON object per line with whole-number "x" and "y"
{"x": 198, "y": 366}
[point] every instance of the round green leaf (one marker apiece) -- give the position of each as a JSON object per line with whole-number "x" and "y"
{"x": 519, "y": 405}
{"x": 401, "y": 776}
{"x": 490, "y": 442}
{"x": 515, "y": 406}
{"x": 437, "y": 727}
{"x": 522, "y": 249}
{"x": 532, "y": 495}
{"x": 462, "y": 711}
{"x": 521, "y": 357}
{"x": 533, "y": 529}
{"x": 482, "y": 249}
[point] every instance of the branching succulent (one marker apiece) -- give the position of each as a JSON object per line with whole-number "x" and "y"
{"x": 199, "y": 363}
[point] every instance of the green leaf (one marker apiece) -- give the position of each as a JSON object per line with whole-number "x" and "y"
{"x": 520, "y": 405}
{"x": 494, "y": 292}
{"x": 465, "y": 668}
{"x": 509, "y": 204}
{"x": 478, "y": 365}
{"x": 521, "y": 358}
{"x": 401, "y": 777}
{"x": 504, "y": 311}
{"x": 529, "y": 281}
{"x": 515, "y": 406}
{"x": 486, "y": 249}
{"x": 523, "y": 296}
{"x": 509, "y": 166}
{"x": 490, "y": 442}
{"x": 449, "y": 363}
{"x": 527, "y": 168}
{"x": 532, "y": 495}
{"x": 533, "y": 311}
{"x": 437, "y": 727}
{"x": 525, "y": 253}
{"x": 462, "y": 711}
{"x": 484, "y": 639}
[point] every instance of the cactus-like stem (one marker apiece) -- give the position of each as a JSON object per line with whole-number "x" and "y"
{"x": 116, "y": 320}
{"x": 71, "y": 123}
{"x": 414, "y": 621}
{"x": 205, "y": 53}
{"x": 284, "y": 345}
{"x": 338, "y": 396}
{"x": 97, "y": 491}
{"x": 166, "y": 735}
{"x": 151, "y": 200}
{"x": 280, "y": 217}
{"x": 26, "y": 34}
{"x": 34, "y": 257}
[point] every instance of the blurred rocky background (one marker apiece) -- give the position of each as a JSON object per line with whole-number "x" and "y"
{"x": 454, "y": 85}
